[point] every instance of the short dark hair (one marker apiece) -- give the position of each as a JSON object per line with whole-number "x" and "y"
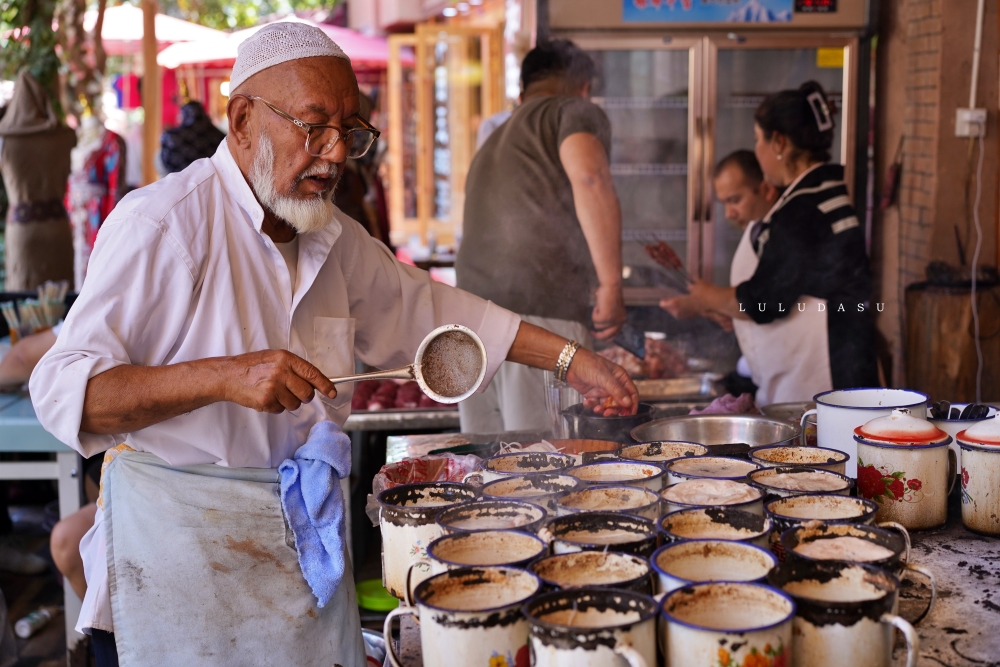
{"x": 799, "y": 114}
{"x": 746, "y": 162}
{"x": 559, "y": 58}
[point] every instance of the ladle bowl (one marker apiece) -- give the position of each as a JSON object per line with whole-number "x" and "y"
{"x": 448, "y": 365}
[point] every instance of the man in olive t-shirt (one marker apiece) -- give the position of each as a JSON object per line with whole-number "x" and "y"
{"x": 542, "y": 227}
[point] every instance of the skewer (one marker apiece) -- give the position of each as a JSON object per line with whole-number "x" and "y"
{"x": 667, "y": 257}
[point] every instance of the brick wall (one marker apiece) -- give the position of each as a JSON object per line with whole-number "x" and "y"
{"x": 923, "y": 75}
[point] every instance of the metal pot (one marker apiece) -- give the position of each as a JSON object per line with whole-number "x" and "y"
{"x": 584, "y": 424}
{"x": 714, "y": 431}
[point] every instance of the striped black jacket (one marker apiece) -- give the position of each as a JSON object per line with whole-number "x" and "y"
{"x": 813, "y": 244}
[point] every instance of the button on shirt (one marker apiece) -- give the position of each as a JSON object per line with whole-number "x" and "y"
{"x": 181, "y": 271}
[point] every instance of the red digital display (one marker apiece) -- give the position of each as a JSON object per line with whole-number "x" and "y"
{"x": 815, "y": 6}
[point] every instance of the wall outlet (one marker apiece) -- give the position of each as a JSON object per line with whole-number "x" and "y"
{"x": 970, "y": 122}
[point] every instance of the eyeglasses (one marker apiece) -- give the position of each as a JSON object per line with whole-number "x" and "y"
{"x": 321, "y": 139}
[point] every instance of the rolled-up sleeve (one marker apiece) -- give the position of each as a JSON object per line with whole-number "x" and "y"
{"x": 133, "y": 304}
{"x": 396, "y": 306}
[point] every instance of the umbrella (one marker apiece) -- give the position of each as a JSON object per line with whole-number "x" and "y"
{"x": 364, "y": 52}
{"x": 123, "y": 30}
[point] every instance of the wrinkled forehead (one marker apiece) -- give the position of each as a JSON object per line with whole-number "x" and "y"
{"x": 317, "y": 90}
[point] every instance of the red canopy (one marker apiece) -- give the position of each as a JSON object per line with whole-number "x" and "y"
{"x": 365, "y": 52}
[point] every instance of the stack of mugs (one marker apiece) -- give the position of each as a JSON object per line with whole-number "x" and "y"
{"x": 664, "y": 554}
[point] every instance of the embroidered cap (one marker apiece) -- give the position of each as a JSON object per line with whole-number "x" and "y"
{"x": 278, "y": 43}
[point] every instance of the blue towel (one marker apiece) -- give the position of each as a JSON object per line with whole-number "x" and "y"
{"x": 314, "y": 506}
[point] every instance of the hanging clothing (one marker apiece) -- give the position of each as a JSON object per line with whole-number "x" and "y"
{"x": 196, "y": 137}
{"x": 35, "y": 163}
{"x": 811, "y": 244}
{"x": 94, "y": 191}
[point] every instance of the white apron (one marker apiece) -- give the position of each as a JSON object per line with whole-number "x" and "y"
{"x": 790, "y": 357}
{"x": 203, "y": 571}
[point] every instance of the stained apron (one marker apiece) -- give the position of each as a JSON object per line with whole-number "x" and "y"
{"x": 203, "y": 570}
{"x": 789, "y": 358}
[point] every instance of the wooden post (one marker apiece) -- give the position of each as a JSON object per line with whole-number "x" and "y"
{"x": 150, "y": 93}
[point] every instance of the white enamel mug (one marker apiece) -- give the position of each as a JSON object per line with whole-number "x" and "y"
{"x": 502, "y": 466}
{"x": 844, "y": 614}
{"x": 470, "y": 616}
{"x": 618, "y": 472}
{"x": 407, "y": 518}
{"x": 697, "y": 561}
{"x": 592, "y": 627}
{"x": 619, "y": 499}
{"x": 840, "y": 411}
{"x": 729, "y": 624}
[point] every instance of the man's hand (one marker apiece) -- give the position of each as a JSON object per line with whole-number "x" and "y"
{"x": 272, "y": 381}
{"x": 609, "y": 313}
{"x": 682, "y": 307}
{"x": 596, "y": 379}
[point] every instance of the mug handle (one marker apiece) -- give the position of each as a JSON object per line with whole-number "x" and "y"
{"x": 469, "y": 475}
{"x": 899, "y": 528}
{"x": 911, "y": 636}
{"x": 408, "y": 588}
{"x": 952, "y": 469}
{"x": 633, "y": 657}
{"x": 390, "y": 646}
{"x": 802, "y": 426}
{"x": 927, "y": 573}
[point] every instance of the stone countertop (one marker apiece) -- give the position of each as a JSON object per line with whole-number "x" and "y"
{"x": 963, "y": 629}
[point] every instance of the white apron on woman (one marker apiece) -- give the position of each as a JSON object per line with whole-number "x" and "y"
{"x": 789, "y": 358}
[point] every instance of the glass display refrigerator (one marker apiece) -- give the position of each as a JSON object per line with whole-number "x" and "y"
{"x": 680, "y": 81}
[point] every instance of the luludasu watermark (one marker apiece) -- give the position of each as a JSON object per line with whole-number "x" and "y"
{"x": 820, "y": 307}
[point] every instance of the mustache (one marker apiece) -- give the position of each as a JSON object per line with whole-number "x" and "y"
{"x": 326, "y": 171}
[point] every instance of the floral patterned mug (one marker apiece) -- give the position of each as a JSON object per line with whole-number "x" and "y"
{"x": 906, "y": 466}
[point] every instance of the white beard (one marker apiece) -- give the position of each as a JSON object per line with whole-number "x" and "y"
{"x": 305, "y": 215}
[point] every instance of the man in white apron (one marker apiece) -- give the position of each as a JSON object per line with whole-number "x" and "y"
{"x": 217, "y": 304}
{"x": 786, "y": 357}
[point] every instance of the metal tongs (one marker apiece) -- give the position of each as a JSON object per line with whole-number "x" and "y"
{"x": 414, "y": 371}
{"x": 666, "y": 257}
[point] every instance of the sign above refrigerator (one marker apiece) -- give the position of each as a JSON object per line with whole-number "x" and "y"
{"x": 770, "y": 15}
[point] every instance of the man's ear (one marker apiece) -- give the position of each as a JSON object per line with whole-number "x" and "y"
{"x": 238, "y": 112}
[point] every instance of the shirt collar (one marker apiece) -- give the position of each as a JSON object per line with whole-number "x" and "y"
{"x": 235, "y": 183}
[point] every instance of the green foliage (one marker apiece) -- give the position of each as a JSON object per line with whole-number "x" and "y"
{"x": 235, "y": 14}
{"x": 35, "y": 50}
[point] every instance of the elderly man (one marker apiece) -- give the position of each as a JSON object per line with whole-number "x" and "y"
{"x": 542, "y": 226}
{"x": 220, "y": 301}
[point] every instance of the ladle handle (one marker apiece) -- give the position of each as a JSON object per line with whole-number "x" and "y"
{"x": 404, "y": 373}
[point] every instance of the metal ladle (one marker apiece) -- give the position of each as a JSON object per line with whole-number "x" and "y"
{"x": 415, "y": 371}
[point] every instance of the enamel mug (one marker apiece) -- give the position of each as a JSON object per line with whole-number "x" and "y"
{"x": 906, "y": 466}
{"x": 592, "y": 627}
{"x": 697, "y": 561}
{"x": 844, "y": 614}
{"x": 407, "y": 518}
{"x": 708, "y": 467}
{"x": 519, "y": 463}
{"x": 618, "y": 499}
{"x": 540, "y": 489}
{"x": 661, "y": 451}
{"x": 820, "y": 509}
{"x": 481, "y": 515}
{"x": 594, "y": 569}
{"x": 728, "y": 493}
{"x": 785, "y": 456}
{"x": 782, "y": 482}
{"x": 728, "y": 624}
{"x": 470, "y": 616}
{"x": 601, "y": 531}
{"x": 859, "y": 544}
{"x": 980, "y": 445}
{"x": 955, "y": 426}
{"x": 840, "y": 411}
{"x": 628, "y": 473}
{"x": 716, "y": 523}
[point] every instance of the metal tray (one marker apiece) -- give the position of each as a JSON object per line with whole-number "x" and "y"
{"x": 698, "y": 386}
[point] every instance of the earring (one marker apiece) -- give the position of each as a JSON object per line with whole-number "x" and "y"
{"x": 780, "y": 156}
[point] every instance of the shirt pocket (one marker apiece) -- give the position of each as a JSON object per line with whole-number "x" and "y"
{"x": 333, "y": 353}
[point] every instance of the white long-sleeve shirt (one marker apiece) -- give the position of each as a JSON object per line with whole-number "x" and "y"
{"x": 181, "y": 271}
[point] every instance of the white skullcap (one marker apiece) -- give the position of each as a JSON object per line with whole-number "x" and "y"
{"x": 278, "y": 43}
